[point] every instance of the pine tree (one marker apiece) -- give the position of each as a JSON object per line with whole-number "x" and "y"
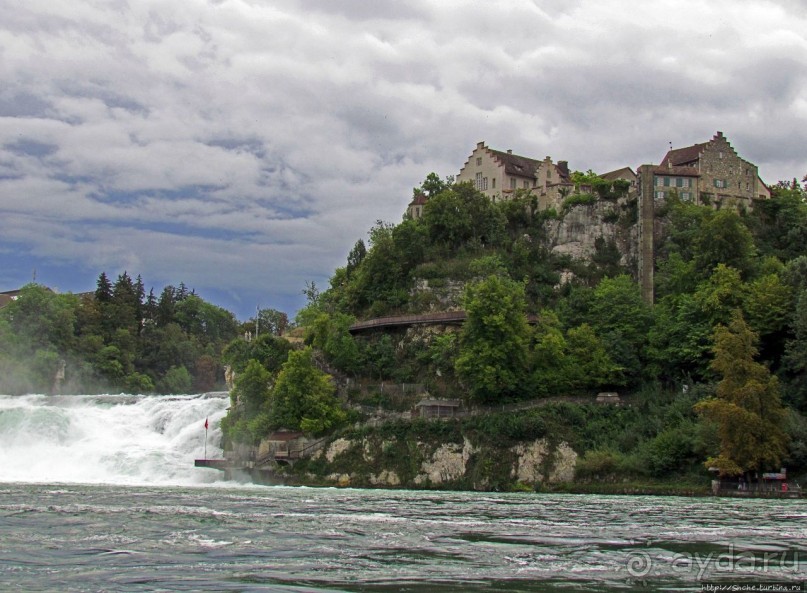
{"x": 103, "y": 291}
{"x": 747, "y": 408}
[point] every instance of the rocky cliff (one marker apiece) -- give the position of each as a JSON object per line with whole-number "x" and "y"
{"x": 388, "y": 462}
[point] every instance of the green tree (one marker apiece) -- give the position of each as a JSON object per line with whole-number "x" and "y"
{"x": 780, "y": 224}
{"x": 251, "y": 392}
{"x": 795, "y": 358}
{"x": 550, "y": 360}
{"x": 303, "y": 396}
{"x": 724, "y": 239}
{"x": 331, "y": 335}
{"x": 175, "y": 380}
{"x": 494, "y": 342}
{"x": 747, "y": 408}
{"x": 355, "y": 257}
{"x": 590, "y": 365}
{"x": 463, "y": 216}
{"x": 623, "y": 320}
{"x": 433, "y": 185}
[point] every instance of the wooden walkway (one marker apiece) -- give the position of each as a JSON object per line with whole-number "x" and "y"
{"x": 440, "y": 318}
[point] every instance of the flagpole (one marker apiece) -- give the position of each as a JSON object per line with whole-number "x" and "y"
{"x": 205, "y": 438}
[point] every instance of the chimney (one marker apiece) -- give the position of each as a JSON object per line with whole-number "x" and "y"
{"x": 563, "y": 167}
{"x": 509, "y": 151}
{"x": 480, "y": 144}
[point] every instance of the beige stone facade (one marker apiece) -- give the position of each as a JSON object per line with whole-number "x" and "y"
{"x": 499, "y": 175}
{"x": 710, "y": 173}
{"x": 553, "y": 183}
{"x": 415, "y": 208}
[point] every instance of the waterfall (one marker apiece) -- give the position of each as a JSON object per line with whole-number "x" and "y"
{"x": 114, "y": 439}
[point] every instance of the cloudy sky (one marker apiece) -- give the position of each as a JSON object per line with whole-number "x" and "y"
{"x": 243, "y": 146}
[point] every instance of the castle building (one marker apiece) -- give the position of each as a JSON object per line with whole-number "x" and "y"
{"x": 415, "y": 208}
{"x": 709, "y": 173}
{"x": 499, "y": 174}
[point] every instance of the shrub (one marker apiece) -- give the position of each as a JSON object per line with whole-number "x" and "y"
{"x": 579, "y": 200}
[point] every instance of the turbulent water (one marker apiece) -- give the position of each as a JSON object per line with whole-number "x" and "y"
{"x": 99, "y": 494}
{"x": 115, "y": 439}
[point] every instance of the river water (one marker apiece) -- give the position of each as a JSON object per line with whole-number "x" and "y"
{"x": 99, "y": 494}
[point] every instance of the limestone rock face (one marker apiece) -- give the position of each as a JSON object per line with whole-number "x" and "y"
{"x": 529, "y": 458}
{"x": 536, "y": 462}
{"x": 563, "y": 468}
{"x": 385, "y": 478}
{"x": 577, "y": 232}
{"x": 337, "y": 447}
{"x": 447, "y": 464}
{"x": 443, "y": 295}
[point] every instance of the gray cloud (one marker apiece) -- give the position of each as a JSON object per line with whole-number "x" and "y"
{"x": 205, "y": 141}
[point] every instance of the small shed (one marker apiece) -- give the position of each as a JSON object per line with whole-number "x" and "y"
{"x": 608, "y": 397}
{"x": 282, "y": 444}
{"x": 437, "y": 408}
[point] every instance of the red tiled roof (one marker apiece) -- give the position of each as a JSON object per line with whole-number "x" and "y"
{"x": 680, "y": 156}
{"x": 515, "y": 164}
{"x": 678, "y": 171}
{"x": 618, "y": 174}
{"x": 418, "y": 200}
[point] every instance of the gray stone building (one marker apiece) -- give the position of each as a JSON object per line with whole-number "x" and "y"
{"x": 710, "y": 173}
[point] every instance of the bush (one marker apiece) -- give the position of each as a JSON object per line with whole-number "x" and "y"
{"x": 175, "y": 380}
{"x": 578, "y": 200}
{"x": 669, "y": 451}
{"x": 611, "y": 217}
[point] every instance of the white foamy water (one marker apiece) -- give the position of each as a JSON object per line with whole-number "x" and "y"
{"x": 114, "y": 439}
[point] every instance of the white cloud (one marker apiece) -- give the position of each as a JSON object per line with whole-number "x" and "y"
{"x": 188, "y": 136}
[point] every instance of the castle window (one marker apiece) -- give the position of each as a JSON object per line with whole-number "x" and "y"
{"x": 493, "y": 183}
{"x": 479, "y": 161}
{"x": 479, "y": 181}
{"x": 484, "y": 184}
{"x": 721, "y": 183}
{"x": 686, "y": 196}
{"x": 679, "y": 182}
{"x": 526, "y": 184}
{"x": 666, "y": 182}
{"x": 512, "y": 183}
{"x": 659, "y": 195}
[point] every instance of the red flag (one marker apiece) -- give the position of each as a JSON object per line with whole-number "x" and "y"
{"x": 206, "y": 424}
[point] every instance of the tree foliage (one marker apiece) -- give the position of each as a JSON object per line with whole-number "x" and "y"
{"x": 492, "y": 360}
{"x": 114, "y": 338}
{"x": 747, "y": 408}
